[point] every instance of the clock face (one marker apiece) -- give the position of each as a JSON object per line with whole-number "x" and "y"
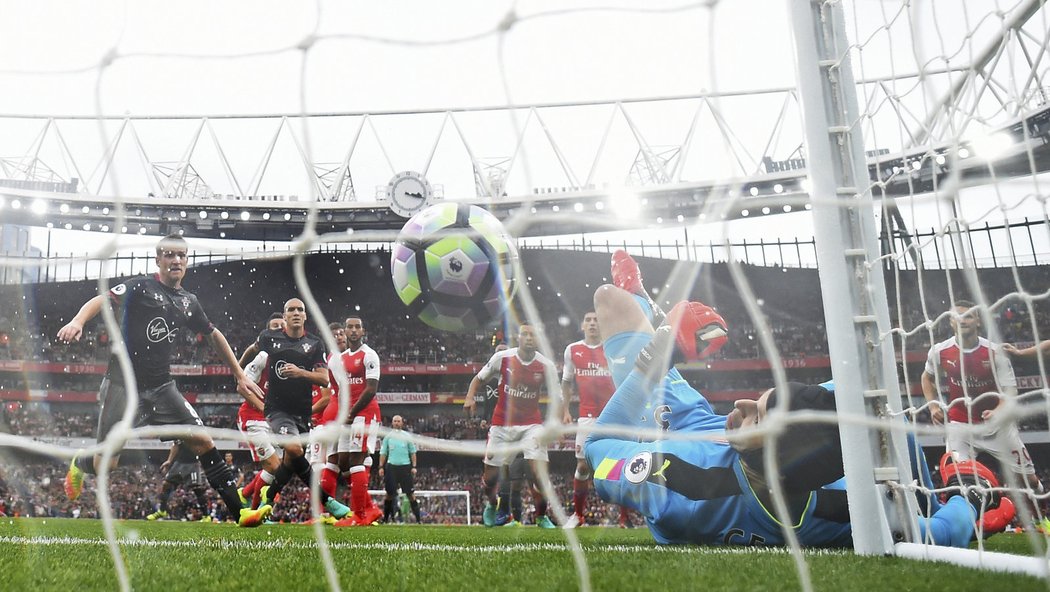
{"x": 409, "y": 193}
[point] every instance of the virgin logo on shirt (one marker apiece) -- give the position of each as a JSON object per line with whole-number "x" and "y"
{"x": 281, "y": 368}
{"x": 157, "y": 330}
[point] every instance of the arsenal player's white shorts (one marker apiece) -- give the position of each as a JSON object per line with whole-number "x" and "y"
{"x": 316, "y": 454}
{"x": 1005, "y": 444}
{"x": 584, "y": 426}
{"x": 505, "y": 442}
{"x": 258, "y": 435}
{"x": 363, "y": 436}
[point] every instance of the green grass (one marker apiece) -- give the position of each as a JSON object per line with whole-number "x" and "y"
{"x": 67, "y": 555}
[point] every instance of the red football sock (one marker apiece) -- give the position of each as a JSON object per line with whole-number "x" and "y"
{"x": 579, "y": 496}
{"x": 359, "y": 498}
{"x": 250, "y": 489}
{"x": 330, "y": 479}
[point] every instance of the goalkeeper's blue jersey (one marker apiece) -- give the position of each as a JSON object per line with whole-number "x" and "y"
{"x": 694, "y": 491}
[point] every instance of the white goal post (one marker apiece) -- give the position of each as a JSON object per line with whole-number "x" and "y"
{"x": 380, "y": 494}
{"x": 856, "y": 309}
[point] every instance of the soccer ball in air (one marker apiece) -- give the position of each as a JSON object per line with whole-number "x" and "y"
{"x": 452, "y": 265}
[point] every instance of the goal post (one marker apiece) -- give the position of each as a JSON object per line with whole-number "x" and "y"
{"x": 854, "y": 295}
{"x": 432, "y": 494}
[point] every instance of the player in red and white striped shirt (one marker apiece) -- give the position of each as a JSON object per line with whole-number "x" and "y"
{"x": 586, "y": 372}
{"x": 322, "y": 395}
{"x": 523, "y": 373}
{"x": 979, "y": 379}
{"x": 252, "y": 424}
{"x": 352, "y": 458}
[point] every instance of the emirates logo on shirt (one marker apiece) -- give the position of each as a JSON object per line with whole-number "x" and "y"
{"x": 157, "y": 330}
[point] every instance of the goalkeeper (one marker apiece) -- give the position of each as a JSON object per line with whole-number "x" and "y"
{"x": 712, "y": 491}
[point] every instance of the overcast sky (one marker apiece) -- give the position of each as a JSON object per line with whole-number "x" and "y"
{"x": 215, "y": 58}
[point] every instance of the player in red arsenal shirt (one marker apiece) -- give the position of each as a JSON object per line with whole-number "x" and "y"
{"x": 252, "y": 423}
{"x": 359, "y": 364}
{"x": 586, "y": 372}
{"x": 979, "y": 377}
{"x": 523, "y": 374}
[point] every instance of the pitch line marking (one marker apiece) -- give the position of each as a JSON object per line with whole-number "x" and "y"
{"x": 395, "y": 547}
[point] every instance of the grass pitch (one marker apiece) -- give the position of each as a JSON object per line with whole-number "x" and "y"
{"x": 61, "y": 554}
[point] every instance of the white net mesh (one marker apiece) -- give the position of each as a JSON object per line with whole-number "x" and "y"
{"x": 589, "y": 128}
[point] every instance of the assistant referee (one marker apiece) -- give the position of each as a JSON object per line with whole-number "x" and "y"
{"x": 397, "y": 467}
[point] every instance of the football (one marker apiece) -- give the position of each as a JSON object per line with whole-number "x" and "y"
{"x": 453, "y": 266}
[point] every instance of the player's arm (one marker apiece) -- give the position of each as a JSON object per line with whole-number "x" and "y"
{"x": 1038, "y": 349}
{"x": 166, "y": 465}
{"x": 484, "y": 375}
{"x": 245, "y": 386}
{"x": 1004, "y": 378}
{"x": 384, "y": 451}
{"x": 561, "y": 407}
{"x": 74, "y": 328}
{"x": 469, "y": 403}
{"x": 412, "y": 455}
{"x": 254, "y": 371}
{"x": 322, "y": 401}
{"x": 930, "y": 392}
{"x": 249, "y": 354}
{"x": 318, "y": 375}
{"x": 568, "y": 383}
{"x": 567, "y": 388}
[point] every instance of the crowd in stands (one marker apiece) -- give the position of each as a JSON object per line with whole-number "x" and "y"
{"x": 35, "y": 490}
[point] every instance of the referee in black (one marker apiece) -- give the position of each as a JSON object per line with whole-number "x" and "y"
{"x": 397, "y": 468}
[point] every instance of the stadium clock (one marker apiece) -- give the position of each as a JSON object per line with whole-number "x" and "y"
{"x": 409, "y": 192}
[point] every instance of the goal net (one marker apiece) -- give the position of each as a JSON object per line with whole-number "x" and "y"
{"x": 858, "y": 190}
{"x": 436, "y": 507}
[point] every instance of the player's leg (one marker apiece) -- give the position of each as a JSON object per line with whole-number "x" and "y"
{"x": 390, "y": 484}
{"x": 260, "y": 442}
{"x": 1008, "y": 448}
{"x": 407, "y": 483}
{"x": 581, "y": 479}
{"x": 626, "y": 276}
{"x": 112, "y": 411}
{"x": 951, "y": 526}
{"x": 160, "y": 507}
{"x": 169, "y": 407}
{"x": 517, "y": 476}
{"x": 535, "y": 451}
{"x": 496, "y": 456}
{"x": 358, "y": 447}
{"x": 504, "y": 513}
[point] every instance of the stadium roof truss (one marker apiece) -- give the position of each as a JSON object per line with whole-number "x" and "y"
{"x": 681, "y": 157}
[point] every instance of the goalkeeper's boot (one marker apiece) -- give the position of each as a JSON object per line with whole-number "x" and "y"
{"x": 74, "y": 482}
{"x": 627, "y": 277}
{"x": 544, "y": 522}
{"x": 158, "y": 515}
{"x": 488, "y": 517}
{"x": 250, "y": 518}
{"x": 336, "y": 508}
{"x": 979, "y": 485}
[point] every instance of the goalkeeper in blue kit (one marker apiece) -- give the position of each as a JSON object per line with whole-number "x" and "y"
{"x": 713, "y": 491}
